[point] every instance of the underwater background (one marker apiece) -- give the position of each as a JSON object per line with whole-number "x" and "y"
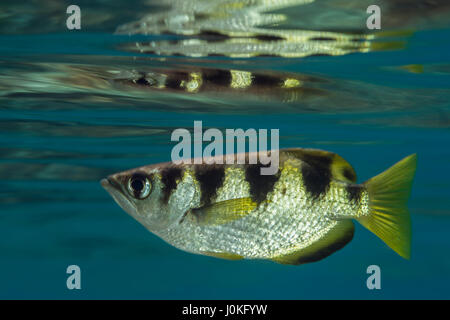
{"x": 75, "y": 108}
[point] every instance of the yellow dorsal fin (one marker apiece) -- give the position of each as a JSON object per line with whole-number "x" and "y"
{"x": 340, "y": 169}
{"x": 333, "y": 240}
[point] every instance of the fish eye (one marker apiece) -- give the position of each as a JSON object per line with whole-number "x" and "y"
{"x": 139, "y": 186}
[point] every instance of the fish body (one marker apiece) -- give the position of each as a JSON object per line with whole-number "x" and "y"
{"x": 301, "y": 214}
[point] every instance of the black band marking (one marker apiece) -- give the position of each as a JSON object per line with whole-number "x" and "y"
{"x": 260, "y": 185}
{"x": 169, "y": 179}
{"x": 173, "y": 83}
{"x": 217, "y": 77}
{"x": 354, "y": 192}
{"x": 142, "y": 81}
{"x": 316, "y": 174}
{"x": 211, "y": 178}
{"x": 262, "y": 80}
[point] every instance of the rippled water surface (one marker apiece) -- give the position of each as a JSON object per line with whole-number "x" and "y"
{"x": 77, "y": 105}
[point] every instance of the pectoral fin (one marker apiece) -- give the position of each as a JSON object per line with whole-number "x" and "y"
{"x": 332, "y": 241}
{"x": 224, "y": 211}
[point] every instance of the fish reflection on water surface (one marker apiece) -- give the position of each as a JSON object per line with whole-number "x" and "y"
{"x": 281, "y": 86}
{"x": 230, "y": 29}
{"x": 233, "y": 29}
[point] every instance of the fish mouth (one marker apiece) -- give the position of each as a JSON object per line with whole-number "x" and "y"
{"x": 112, "y": 187}
{"x": 108, "y": 184}
{"x": 115, "y": 190}
{"x": 105, "y": 183}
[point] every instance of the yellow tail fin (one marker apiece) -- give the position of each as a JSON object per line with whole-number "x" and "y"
{"x": 388, "y": 196}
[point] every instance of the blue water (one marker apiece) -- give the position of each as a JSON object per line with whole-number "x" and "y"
{"x": 64, "y": 126}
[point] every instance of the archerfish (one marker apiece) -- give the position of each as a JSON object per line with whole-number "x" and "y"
{"x": 302, "y": 213}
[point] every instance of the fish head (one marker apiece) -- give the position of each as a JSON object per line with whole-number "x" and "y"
{"x": 140, "y": 193}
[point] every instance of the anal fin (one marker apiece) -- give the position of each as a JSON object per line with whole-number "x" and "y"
{"x": 223, "y": 255}
{"x": 332, "y": 241}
